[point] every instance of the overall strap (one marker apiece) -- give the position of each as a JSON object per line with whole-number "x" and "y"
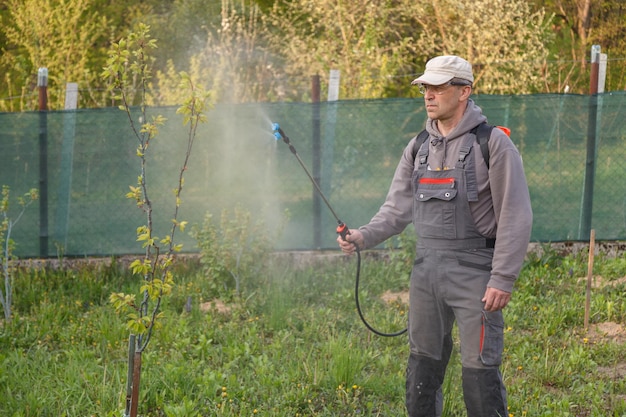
{"x": 468, "y": 167}
{"x": 419, "y": 141}
{"x": 482, "y": 132}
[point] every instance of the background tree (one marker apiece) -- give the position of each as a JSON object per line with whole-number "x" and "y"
{"x": 378, "y": 45}
{"x": 610, "y": 34}
{"x": 232, "y": 59}
{"x": 59, "y": 35}
{"x": 268, "y": 49}
{"x": 579, "y": 24}
{"x": 505, "y": 40}
{"x": 181, "y": 27}
{"x": 368, "y": 41}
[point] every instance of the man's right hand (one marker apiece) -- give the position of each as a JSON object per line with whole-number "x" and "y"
{"x": 354, "y": 237}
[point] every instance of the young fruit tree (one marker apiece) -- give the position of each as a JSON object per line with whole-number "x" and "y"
{"x": 128, "y": 66}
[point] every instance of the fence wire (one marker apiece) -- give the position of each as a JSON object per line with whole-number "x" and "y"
{"x": 350, "y": 147}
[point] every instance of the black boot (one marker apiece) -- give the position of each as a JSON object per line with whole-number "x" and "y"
{"x": 484, "y": 393}
{"x": 424, "y": 377}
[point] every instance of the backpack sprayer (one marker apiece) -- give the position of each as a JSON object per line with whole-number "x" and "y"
{"x": 342, "y": 229}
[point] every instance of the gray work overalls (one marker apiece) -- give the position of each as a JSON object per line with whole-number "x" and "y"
{"x": 448, "y": 281}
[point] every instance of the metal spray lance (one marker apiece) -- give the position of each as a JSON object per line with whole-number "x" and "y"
{"x": 342, "y": 230}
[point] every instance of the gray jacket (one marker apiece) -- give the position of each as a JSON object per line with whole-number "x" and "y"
{"x": 503, "y": 209}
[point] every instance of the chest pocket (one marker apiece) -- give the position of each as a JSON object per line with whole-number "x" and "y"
{"x": 436, "y": 188}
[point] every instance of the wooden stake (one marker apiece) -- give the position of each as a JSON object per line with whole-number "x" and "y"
{"x": 592, "y": 238}
{"x": 134, "y": 401}
{"x": 129, "y": 377}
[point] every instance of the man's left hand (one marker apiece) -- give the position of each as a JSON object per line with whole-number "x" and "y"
{"x": 495, "y": 299}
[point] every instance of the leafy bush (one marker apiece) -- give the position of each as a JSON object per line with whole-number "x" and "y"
{"x": 234, "y": 250}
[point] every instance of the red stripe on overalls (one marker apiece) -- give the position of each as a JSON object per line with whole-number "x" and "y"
{"x": 436, "y": 181}
{"x": 482, "y": 333}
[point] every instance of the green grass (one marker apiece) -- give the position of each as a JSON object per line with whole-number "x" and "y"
{"x": 293, "y": 345}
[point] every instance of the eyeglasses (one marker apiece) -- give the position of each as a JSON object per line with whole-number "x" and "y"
{"x": 438, "y": 89}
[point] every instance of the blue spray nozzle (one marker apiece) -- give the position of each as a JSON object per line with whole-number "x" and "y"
{"x": 276, "y": 129}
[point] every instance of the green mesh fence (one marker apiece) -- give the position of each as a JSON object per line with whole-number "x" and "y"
{"x": 350, "y": 147}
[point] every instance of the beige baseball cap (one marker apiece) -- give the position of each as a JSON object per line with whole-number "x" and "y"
{"x": 442, "y": 69}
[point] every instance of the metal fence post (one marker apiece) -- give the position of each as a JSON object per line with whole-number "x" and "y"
{"x": 317, "y": 203}
{"x": 42, "y": 84}
{"x": 67, "y": 160}
{"x": 590, "y": 161}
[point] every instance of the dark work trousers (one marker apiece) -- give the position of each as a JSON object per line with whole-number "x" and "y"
{"x": 448, "y": 281}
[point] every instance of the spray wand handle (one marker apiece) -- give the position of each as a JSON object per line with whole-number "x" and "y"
{"x": 342, "y": 229}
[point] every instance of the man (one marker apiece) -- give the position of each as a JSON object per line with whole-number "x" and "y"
{"x": 473, "y": 224}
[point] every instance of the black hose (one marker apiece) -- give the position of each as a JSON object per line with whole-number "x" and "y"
{"x": 358, "y": 304}
{"x": 342, "y": 229}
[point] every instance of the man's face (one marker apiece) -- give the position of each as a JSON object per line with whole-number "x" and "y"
{"x": 443, "y": 101}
